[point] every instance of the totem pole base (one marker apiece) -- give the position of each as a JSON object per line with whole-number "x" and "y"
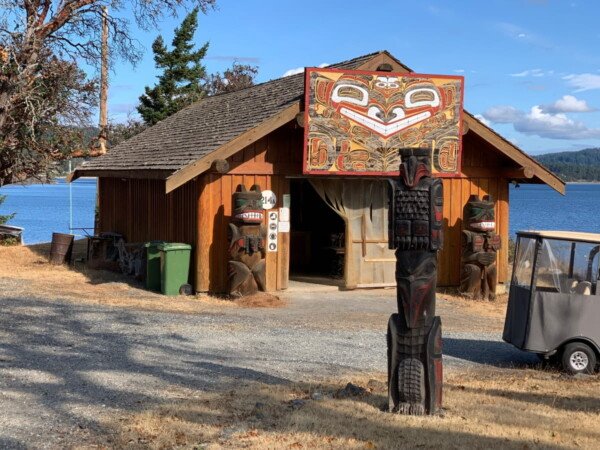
{"x": 414, "y": 367}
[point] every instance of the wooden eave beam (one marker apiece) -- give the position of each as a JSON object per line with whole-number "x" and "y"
{"x": 519, "y": 157}
{"x": 203, "y": 164}
{"x": 148, "y": 174}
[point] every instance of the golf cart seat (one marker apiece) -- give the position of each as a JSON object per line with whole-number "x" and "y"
{"x": 574, "y": 286}
{"x": 583, "y": 288}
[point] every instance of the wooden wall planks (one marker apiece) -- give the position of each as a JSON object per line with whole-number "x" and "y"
{"x": 141, "y": 210}
{"x": 265, "y": 163}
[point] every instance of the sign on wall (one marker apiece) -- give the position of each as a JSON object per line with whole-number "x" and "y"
{"x": 269, "y": 199}
{"x": 355, "y": 121}
{"x": 272, "y": 222}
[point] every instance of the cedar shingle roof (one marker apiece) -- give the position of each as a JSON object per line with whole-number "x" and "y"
{"x": 204, "y": 126}
{"x": 169, "y": 148}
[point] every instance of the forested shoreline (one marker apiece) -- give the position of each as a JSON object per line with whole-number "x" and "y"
{"x": 582, "y": 165}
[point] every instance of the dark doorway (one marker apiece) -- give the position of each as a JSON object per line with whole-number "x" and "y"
{"x": 317, "y": 236}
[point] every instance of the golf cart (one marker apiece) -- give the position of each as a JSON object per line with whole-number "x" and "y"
{"x": 554, "y": 303}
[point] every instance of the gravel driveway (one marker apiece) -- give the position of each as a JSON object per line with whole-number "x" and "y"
{"x": 65, "y": 366}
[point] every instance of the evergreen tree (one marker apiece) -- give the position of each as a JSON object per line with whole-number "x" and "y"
{"x": 4, "y": 218}
{"x": 181, "y": 82}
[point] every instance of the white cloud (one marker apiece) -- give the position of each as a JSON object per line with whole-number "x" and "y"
{"x": 523, "y": 35}
{"x": 298, "y": 70}
{"x": 483, "y": 120}
{"x": 502, "y": 114}
{"x": 540, "y": 123}
{"x": 532, "y": 73}
{"x": 295, "y": 71}
{"x": 583, "y": 81}
{"x": 568, "y": 103}
{"x": 459, "y": 70}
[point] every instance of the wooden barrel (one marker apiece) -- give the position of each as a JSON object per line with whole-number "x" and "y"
{"x": 61, "y": 249}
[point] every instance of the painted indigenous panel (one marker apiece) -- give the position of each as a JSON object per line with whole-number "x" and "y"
{"x": 355, "y": 121}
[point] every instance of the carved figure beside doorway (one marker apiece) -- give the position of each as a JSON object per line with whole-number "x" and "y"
{"x": 414, "y": 335}
{"x": 247, "y": 264}
{"x": 480, "y": 245}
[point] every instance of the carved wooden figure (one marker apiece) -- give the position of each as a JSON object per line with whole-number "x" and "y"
{"x": 479, "y": 247}
{"x": 247, "y": 250}
{"x": 415, "y": 333}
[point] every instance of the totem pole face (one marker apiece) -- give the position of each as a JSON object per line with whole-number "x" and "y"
{"x": 247, "y": 205}
{"x": 480, "y": 214}
{"x": 246, "y": 265}
{"x": 415, "y": 165}
{"x": 416, "y": 283}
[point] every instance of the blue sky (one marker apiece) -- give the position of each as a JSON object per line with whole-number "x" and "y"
{"x": 531, "y": 67}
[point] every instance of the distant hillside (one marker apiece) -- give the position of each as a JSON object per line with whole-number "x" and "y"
{"x": 583, "y": 165}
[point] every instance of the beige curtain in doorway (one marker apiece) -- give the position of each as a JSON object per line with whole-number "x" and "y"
{"x": 363, "y": 204}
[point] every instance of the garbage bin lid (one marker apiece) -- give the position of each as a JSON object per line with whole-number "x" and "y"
{"x": 168, "y": 246}
{"x": 153, "y": 243}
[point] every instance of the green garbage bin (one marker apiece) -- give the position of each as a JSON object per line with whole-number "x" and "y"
{"x": 153, "y": 265}
{"x": 174, "y": 266}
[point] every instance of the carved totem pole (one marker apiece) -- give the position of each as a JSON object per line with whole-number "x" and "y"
{"x": 247, "y": 245}
{"x": 415, "y": 334}
{"x": 479, "y": 246}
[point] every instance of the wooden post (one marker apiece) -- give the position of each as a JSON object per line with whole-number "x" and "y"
{"x": 219, "y": 166}
{"x": 103, "y": 122}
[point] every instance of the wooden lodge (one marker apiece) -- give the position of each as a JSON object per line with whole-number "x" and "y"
{"x": 171, "y": 183}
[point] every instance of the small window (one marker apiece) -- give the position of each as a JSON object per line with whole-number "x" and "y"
{"x": 524, "y": 262}
{"x": 553, "y": 266}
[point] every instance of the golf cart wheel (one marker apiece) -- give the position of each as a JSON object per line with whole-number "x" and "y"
{"x": 578, "y": 358}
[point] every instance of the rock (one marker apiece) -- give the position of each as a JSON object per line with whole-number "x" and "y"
{"x": 582, "y": 376}
{"x": 316, "y": 396}
{"x": 377, "y": 386}
{"x": 297, "y": 403}
{"x": 352, "y": 390}
{"x": 258, "y": 411}
{"x": 229, "y": 432}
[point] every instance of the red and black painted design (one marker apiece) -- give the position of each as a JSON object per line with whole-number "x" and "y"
{"x": 355, "y": 121}
{"x": 415, "y": 333}
{"x": 247, "y": 264}
{"x": 480, "y": 244}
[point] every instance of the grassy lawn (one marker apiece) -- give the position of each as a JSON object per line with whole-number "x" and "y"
{"x": 487, "y": 408}
{"x": 484, "y": 407}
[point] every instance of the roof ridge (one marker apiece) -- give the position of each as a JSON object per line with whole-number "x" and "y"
{"x": 292, "y": 75}
{"x": 254, "y": 86}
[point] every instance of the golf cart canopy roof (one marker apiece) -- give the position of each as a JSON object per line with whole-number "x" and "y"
{"x": 593, "y": 238}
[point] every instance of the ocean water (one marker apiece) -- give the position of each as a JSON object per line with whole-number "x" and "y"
{"x": 44, "y": 208}
{"x": 539, "y": 207}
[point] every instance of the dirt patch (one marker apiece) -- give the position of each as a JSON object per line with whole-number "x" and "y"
{"x": 260, "y": 300}
{"x": 28, "y": 274}
{"x": 483, "y": 409}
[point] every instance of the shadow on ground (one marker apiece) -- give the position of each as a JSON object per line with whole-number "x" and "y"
{"x": 489, "y": 352}
{"x": 74, "y": 361}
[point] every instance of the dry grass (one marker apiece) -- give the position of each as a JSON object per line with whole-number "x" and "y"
{"x": 484, "y": 308}
{"x": 260, "y": 300}
{"x": 29, "y": 274}
{"x": 484, "y": 409}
